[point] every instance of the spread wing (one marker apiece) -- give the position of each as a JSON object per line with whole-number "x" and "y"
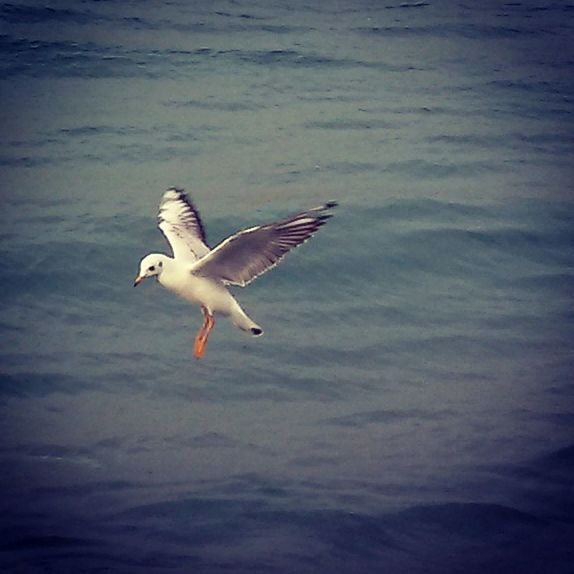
{"x": 181, "y": 225}
{"x": 247, "y": 254}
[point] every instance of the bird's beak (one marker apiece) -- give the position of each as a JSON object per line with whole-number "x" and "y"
{"x": 138, "y": 280}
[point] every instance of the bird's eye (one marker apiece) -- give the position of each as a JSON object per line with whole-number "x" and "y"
{"x": 152, "y": 268}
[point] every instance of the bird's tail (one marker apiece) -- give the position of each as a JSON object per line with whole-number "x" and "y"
{"x": 241, "y": 320}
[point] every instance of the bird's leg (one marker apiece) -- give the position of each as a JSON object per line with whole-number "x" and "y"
{"x": 201, "y": 338}
{"x": 199, "y": 345}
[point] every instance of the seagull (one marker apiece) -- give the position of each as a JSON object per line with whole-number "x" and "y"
{"x": 201, "y": 275}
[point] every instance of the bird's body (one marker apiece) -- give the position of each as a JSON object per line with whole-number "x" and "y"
{"x": 200, "y": 275}
{"x": 209, "y": 293}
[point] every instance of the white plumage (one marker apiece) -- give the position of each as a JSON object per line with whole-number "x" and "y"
{"x": 200, "y": 274}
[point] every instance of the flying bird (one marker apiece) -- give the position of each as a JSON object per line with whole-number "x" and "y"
{"x": 201, "y": 275}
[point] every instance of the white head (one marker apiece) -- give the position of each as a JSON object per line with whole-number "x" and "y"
{"x": 150, "y": 266}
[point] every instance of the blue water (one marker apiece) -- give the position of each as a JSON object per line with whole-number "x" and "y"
{"x": 411, "y": 405}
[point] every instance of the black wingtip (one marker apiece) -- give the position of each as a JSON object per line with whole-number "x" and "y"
{"x": 323, "y": 218}
{"x": 331, "y": 204}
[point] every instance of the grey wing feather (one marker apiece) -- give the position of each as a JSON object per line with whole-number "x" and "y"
{"x": 244, "y": 256}
{"x": 181, "y": 225}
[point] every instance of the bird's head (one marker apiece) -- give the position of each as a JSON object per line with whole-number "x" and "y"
{"x": 150, "y": 266}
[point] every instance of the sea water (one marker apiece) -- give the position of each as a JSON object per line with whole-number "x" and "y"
{"x": 410, "y": 406}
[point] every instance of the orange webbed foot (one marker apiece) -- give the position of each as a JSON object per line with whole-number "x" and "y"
{"x": 199, "y": 347}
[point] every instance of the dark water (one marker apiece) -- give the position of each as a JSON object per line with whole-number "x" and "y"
{"x": 411, "y": 405}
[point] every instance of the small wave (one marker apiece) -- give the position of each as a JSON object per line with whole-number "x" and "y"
{"x": 18, "y": 14}
{"x": 216, "y": 106}
{"x": 466, "y": 31}
{"x": 352, "y": 124}
{"x": 49, "y": 542}
{"x": 407, "y": 5}
{"x": 62, "y": 59}
{"x": 471, "y": 519}
{"x": 385, "y": 416}
{"x": 562, "y": 458}
{"x": 422, "y": 169}
{"x": 27, "y": 384}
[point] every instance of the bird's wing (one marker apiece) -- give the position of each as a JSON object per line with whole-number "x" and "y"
{"x": 247, "y": 254}
{"x": 181, "y": 225}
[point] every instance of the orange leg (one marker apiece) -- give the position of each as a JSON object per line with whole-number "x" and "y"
{"x": 201, "y": 338}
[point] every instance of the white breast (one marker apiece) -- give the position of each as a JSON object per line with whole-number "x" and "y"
{"x": 199, "y": 290}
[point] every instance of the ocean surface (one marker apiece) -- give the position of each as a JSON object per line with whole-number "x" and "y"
{"x": 410, "y": 408}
